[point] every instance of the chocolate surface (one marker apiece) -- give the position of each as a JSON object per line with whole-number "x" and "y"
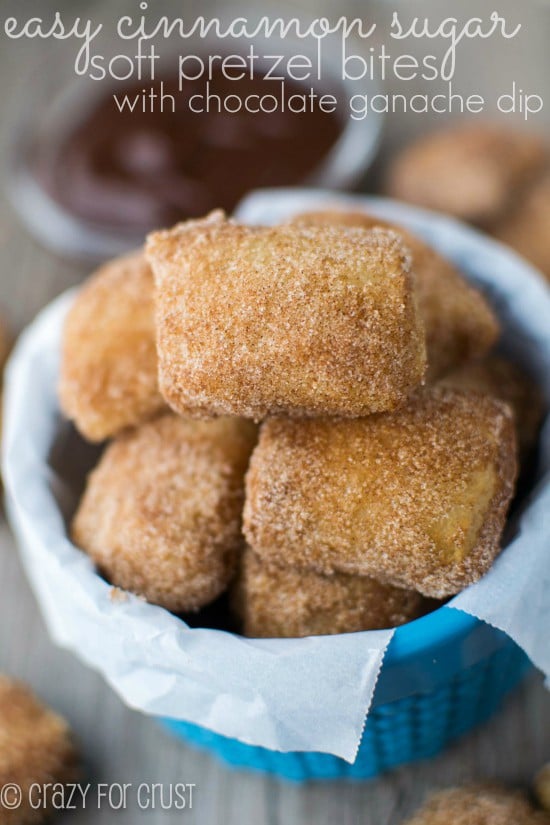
{"x": 153, "y": 166}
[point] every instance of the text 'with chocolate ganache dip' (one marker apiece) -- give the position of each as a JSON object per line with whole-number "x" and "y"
{"x": 152, "y": 154}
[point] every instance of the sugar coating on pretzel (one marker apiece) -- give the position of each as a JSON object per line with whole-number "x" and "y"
{"x": 161, "y": 514}
{"x": 297, "y": 320}
{"x": 500, "y": 378}
{"x": 478, "y": 805}
{"x": 275, "y": 601}
{"x": 416, "y": 498}
{"x": 459, "y": 323}
{"x": 36, "y": 747}
{"x": 108, "y": 377}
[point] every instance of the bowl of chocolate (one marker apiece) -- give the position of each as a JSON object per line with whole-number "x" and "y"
{"x": 98, "y": 164}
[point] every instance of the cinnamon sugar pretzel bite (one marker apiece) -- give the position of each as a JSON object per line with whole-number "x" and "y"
{"x": 301, "y": 321}
{"x": 416, "y": 498}
{"x": 109, "y": 362}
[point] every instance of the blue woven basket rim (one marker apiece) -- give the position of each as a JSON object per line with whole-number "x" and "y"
{"x": 438, "y": 627}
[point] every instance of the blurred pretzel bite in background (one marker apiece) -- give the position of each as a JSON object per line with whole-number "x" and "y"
{"x": 478, "y": 805}
{"x": 458, "y": 321}
{"x": 109, "y": 362}
{"x": 472, "y": 171}
{"x": 415, "y": 498}
{"x": 161, "y": 514}
{"x": 275, "y": 601}
{"x": 288, "y": 320}
{"x": 36, "y": 748}
{"x": 500, "y": 378}
{"x": 525, "y": 227}
{"x": 487, "y": 175}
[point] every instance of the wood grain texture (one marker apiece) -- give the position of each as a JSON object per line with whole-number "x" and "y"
{"x": 124, "y": 746}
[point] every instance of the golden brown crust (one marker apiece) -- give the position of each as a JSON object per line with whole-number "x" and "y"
{"x": 416, "y": 498}
{"x": 459, "y": 323}
{"x": 274, "y": 601}
{"x": 471, "y": 171}
{"x": 109, "y": 363}
{"x": 500, "y": 378}
{"x": 478, "y": 805}
{"x": 293, "y": 320}
{"x": 35, "y": 747}
{"x": 161, "y": 515}
{"x": 525, "y": 227}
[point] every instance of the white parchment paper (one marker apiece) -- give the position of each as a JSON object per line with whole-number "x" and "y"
{"x": 300, "y": 694}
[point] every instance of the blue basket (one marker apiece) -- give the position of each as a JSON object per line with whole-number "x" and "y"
{"x": 442, "y": 675}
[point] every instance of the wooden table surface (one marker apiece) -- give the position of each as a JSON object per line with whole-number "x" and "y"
{"x": 123, "y": 746}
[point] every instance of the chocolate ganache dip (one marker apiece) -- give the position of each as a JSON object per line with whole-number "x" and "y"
{"x": 161, "y": 159}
